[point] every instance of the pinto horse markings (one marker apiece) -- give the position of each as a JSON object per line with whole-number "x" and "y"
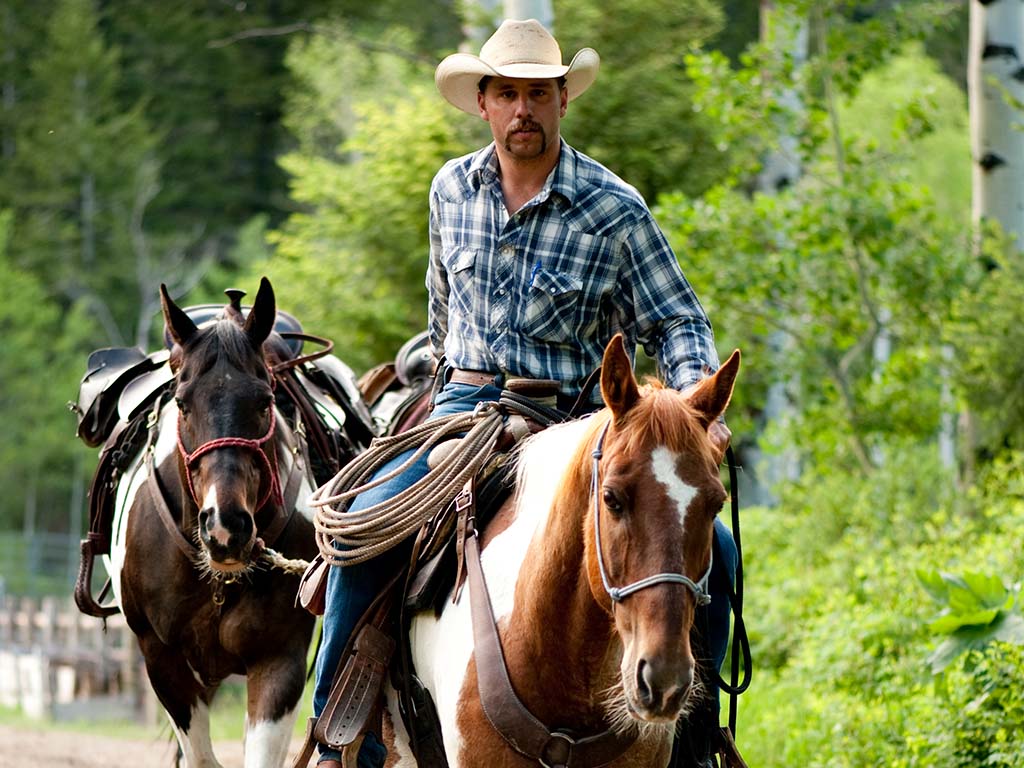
{"x": 188, "y": 579}
{"x": 578, "y": 659}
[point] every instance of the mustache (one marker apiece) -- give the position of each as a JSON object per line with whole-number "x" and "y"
{"x": 524, "y": 125}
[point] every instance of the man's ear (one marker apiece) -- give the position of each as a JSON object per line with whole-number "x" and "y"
{"x": 480, "y": 104}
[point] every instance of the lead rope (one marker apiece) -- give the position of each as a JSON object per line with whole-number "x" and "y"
{"x": 366, "y": 533}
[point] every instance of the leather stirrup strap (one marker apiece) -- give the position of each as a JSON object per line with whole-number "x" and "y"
{"x": 506, "y": 713}
{"x": 357, "y": 684}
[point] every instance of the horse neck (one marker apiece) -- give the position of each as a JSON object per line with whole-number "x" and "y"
{"x": 557, "y": 624}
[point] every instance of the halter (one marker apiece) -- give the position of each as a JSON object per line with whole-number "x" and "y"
{"x": 617, "y": 594}
{"x": 273, "y": 487}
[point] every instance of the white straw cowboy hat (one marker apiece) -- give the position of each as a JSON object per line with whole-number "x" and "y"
{"x": 522, "y": 49}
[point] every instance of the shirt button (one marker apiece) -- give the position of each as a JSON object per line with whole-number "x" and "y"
{"x": 507, "y": 250}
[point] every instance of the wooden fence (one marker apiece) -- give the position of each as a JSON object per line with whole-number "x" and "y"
{"x": 58, "y": 663}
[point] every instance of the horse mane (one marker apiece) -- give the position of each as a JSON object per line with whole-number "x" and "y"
{"x": 223, "y": 338}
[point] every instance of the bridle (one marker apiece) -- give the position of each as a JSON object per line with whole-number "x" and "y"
{"x": 273, "y": 487}
{"x": 617, "y": 594}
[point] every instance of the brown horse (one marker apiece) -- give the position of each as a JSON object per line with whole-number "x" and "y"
{"x": 218, "y": 484}
{"x": 593, "y": 571}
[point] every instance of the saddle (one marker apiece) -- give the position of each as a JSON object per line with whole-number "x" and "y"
{"x": 121, "y": 386}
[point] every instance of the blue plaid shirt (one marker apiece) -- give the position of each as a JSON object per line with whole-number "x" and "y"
{"x": 541, "y": 293}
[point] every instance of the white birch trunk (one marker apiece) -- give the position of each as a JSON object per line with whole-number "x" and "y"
{"x": 787, "y": 34}
{"x": 995, "y": 90}
{"x": 996, "y": 71}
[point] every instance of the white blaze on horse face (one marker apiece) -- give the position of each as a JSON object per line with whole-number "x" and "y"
{"x": 663, "y": 467}
{"x": 210, "y": 501}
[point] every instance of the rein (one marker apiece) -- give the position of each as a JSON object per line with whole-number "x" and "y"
{"x": 617, "y": 594}
{"x": 257, "y": 445}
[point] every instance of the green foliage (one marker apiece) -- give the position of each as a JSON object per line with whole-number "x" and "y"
{"x": 978, "y": 610}
{"x": 37, "y": 454}
{"x": 856, "y": 254}
{"x": 637, "y": 119}
{"x": 987, "y": 335}
{"x": 351, "y": 263}
{"x": 843, "y": 640}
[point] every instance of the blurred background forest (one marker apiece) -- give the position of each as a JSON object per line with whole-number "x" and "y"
{"x": 810, "y": 161}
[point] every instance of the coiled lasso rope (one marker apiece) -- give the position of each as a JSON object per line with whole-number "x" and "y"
{"x": 364, "y": 534}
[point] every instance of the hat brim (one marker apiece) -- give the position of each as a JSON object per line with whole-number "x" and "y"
{"x": 458, "y": 76}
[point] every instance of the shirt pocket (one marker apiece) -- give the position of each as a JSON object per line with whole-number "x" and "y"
{"x": 460, "y": 264}
{"x": 549, "y": 313}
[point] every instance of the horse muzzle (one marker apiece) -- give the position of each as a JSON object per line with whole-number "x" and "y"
{"x": 657, "y": 691}
{"x": 228, "y": 538}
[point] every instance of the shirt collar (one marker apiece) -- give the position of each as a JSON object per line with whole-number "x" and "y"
{"x": 483, "y": 169}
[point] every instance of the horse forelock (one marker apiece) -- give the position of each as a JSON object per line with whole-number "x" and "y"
{"x": 224, "y": 341}
{"x": 664, "y": 417}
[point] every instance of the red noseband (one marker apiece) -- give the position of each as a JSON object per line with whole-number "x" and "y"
{"x": 273, "y": 487}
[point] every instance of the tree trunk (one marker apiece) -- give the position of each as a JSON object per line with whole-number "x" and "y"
{"x": 531, "y": 9}
{"x": 995, "y": 89}
{"x": 995, "y": 80}
{"x": 786, "y": 34}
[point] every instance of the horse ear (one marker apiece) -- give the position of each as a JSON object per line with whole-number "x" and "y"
{"x": 710, "y": 396}
{"x": 618, "y": 384}
{"x": 262, "y": 316}
{"x": 178, "y": 323}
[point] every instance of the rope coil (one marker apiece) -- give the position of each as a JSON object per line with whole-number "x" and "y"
{"x": 366, "y": 533}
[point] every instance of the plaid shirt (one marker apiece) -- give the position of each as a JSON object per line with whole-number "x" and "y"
{"x": 540, "y": 293}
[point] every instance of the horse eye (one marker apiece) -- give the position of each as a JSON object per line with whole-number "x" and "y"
{"x": 182, "y": 408}
{"x": 612, "y": 503}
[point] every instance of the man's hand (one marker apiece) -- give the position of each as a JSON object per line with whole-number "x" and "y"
{"x": 720, "y": 436}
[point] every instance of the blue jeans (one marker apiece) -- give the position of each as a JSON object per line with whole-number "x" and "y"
{"x": 351, "y": 589}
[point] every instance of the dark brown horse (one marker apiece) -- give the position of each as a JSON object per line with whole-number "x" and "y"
{"x": 196, "y": 517}
{"x": 594, "y": 571}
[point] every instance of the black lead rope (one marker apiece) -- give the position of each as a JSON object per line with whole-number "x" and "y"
{"x": 740, "y": 641}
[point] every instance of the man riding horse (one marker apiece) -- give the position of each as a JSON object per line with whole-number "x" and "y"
{"x": 539, "y": 255}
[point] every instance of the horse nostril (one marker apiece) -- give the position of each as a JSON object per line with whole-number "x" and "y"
{"x": 643, "y": 689}
{"x": 204, "y": 518}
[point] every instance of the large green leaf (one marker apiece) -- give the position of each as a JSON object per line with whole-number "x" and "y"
{"x": 1007, "y": 628}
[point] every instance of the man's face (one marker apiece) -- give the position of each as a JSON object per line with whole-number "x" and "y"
{"x": 524, "y": 114}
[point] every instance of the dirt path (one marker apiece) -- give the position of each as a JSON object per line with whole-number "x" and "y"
{"x": 31, "y": 748}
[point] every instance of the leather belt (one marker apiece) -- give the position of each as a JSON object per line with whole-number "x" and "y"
{"x": 475, "y": 378}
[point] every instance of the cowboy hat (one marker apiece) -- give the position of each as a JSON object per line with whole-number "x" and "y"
{"x": 523, "y": 49}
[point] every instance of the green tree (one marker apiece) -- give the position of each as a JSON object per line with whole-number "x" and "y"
{"x": 80, "y": 162}
{"x": 352, "y": 262}
{"x": 858, "y": 252}
{"x": 639, "y": 119}
{"x": 38, "y": 452}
